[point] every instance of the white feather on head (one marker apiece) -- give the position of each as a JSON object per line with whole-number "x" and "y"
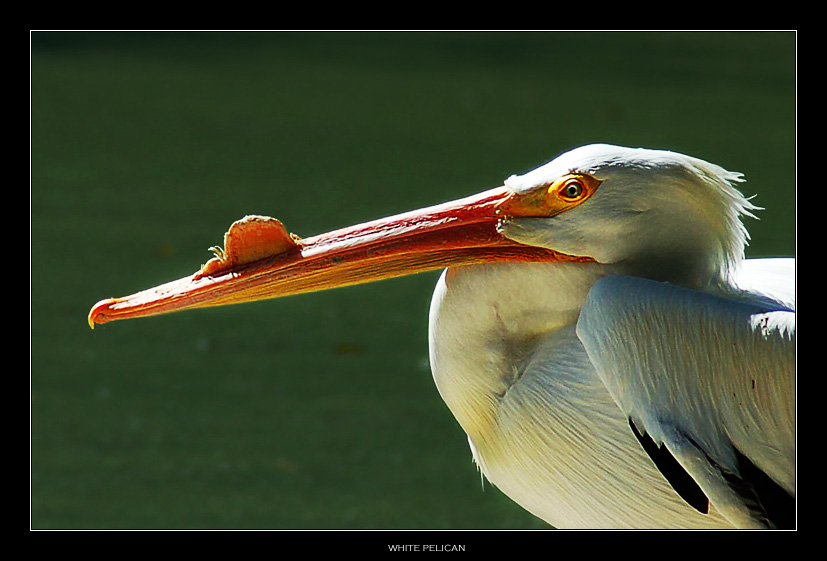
{"x": 664, "y": 215}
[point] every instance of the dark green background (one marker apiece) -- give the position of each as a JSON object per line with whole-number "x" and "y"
{"x": 317, "y": 411}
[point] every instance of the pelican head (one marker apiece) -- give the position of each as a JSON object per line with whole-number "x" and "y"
{"x": 649, "y": 213}
{"x": 658, "y": 214}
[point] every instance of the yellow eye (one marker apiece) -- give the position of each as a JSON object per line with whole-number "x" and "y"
{"x": 550, "y": 199}
{"x": 571, "y": 190}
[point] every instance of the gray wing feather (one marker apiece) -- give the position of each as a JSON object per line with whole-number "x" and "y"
{"x": 708, "y": 380}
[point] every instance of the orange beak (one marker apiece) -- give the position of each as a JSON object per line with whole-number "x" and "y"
{"x": 261, "y": 260}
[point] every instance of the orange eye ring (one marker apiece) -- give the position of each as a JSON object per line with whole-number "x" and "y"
{"x": 571, "y": 189}
{"x": 574, "y": 188}
{"x": 550, "y": 199}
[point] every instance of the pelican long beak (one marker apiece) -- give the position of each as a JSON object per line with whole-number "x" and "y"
{"x": 261, "y": 260}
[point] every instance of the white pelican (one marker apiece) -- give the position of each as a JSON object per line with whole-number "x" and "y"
{"x": 613, "y": 359}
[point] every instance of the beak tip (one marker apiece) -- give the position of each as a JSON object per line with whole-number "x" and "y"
{"x": 98, "y": 312}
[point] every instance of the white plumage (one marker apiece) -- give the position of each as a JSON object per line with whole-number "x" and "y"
{"x": 545, "y": 365}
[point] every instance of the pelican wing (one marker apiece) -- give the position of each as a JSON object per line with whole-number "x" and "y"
{"x": 708, "y": 385}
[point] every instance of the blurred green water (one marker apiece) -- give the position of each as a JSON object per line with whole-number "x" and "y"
{"x": 317, "y": 411}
